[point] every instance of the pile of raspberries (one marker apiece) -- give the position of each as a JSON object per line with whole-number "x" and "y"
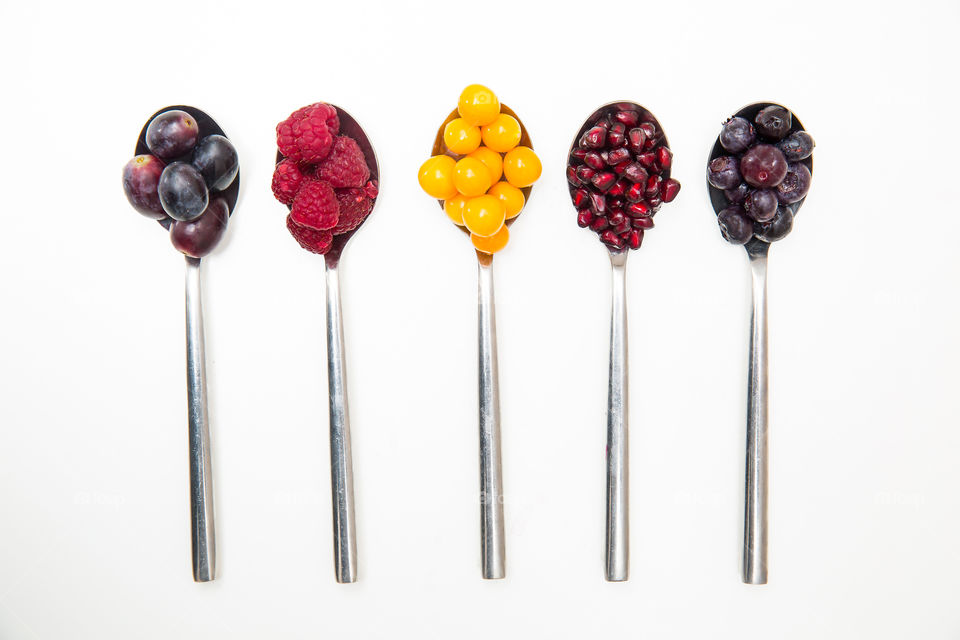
{"x": 323, "y": 177}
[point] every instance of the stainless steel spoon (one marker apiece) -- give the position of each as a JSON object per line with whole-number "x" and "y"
{"x": 617, "y": 543}
{"x": 341, "y": 458}
{"x": 203, "y": 540}
{"x": 754, "y": 569}
{"x": 492, "y": 538}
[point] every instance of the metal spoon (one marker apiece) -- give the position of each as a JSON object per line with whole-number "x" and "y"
{"x": 341, "y": 458}
{"x": 617, "y": 544}
{"x": 754, "y": 570}
{"x": 492, "y": 539}
{"x": 201, "y": 476}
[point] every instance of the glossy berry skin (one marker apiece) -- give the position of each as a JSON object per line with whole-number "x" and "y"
{"x": 773, "y": 122}
{"x": 777, "y": 228}
{"x": 471, "y": 177}
{"x": 200, "y": 236}
{"x": 140, "y": 179}
{"x": 183, "y": 193}
{"x": 521, "y": 167}
{"x": 736, "y": 227}
{"x": 737, "y": 194}
{"x": 436, "y": 177}
{"x": 512, "y": 198}
{"x": 172, "y": 134}
{"x": 503, "y": 134}
{"x": 737, "y": 135}
{"x": 216, "y": 160}
{"x": 795, "y": 185}
{"x": 491, "y": 159}
{"x": 761, "y": 204}
{"x": 484, "y": 215}
{"x": 478, "y": 105}
{"x": 763, "y": 165}
{"x": 797, "y": 146}
{"x": 491, "y": 244}
{"x": 461, "y": 137}
{"x": 723, "y": 172}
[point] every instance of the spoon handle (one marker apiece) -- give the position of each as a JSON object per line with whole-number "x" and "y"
{"x": 201, "y": 475}
{"x": 618, "y": 477}
{"x": 755, "y": 507}
{"x": 493, "y": 555}
{"x": 341, "y": 459}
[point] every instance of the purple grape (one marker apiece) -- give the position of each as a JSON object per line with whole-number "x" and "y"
{"x": 140, "y": 178}
{"x": 736, "y": 227}
{"x": 723, "y": 172}
{"x": 761, "y": 204}
{"x": 183, "y": 193}
{"x": 737, "y": 135}
{"x": 795, "y": 185}
{"x": 172, "y": 134}
{"x": 216, "y": 160}
{"x": 200, "y": 236}
{"x": 777, "y": 228}
{"x": 738, "y": 193}
{"x": 797, "y": 146}
{"x": 773, "y": 122}
{"x": 763, "y": 165}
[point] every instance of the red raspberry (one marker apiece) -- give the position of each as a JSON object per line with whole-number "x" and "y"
{"x": 315, "y": 205}
{"x": 372, "y": 189}
{"x": 306, "y": 136}
{"x": 287, "y": 179}
{"x": 310, "y": 239}
{"x": 355, "y": 206}
{"x": 345, "y": 166}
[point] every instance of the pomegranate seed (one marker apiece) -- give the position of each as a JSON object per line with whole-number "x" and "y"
{"x": 634, "y": 172}
{"x": 598, "y": 203}
{"x": 614, "y": 204}
{"x": 612, "y": 239}
{"x": 572, "y": 177}
{"x": 622, "y": 229}
{"x": 605, "y": 180}
{"x": 635, "y": 192}
{"x": 616, "y": 218}
{"x": 649, "y": 130}
{"x": 616, "y": 137}
{"x": 617, "y": 189}
{"x": 602, "y": 122}
{"x": 618, "y": 155}
{"x": 594, "y": 138}
{"x": 619, "y": 169}
{"x": 636, "y": 139}
{"x": 669, "y": 190}
{"x": 578, "y": 153}
{"x": 634, "y": 238}
{"x": 651, "y": 143}
{"x": 638, "y": 210}
{"x": 585, "y": 173}
{"x": 664, "y": 157}
{"x": 599, "y": 224}
{"x": 642, "y": 223}
{"x": 594, "y": 161}
{"x": 653, "y": 186}
{"x": 654, "y": 203}
{"x": 584, "y": 218}
{"x": 628, "y": 117}
{"x": 648, "y": 160}
{"x": 581, "y": 198}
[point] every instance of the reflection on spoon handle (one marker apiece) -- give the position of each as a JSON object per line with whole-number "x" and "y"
{"x": 618, "y": 477}
{"x": 201, "y": 476}
{"x": 341, "y": 460}
{"x": 755, "y": 508}
{"x": 491, "y": 479}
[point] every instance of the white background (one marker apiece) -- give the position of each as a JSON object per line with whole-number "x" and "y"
{"x": 864, "y": 514}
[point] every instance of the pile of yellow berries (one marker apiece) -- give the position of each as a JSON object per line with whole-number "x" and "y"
{"x": 481, "y": 148}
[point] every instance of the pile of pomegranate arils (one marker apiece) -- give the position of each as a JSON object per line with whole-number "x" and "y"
{"x": 619, "y": 175}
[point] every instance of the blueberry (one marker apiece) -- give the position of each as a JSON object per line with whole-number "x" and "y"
{"x": 172, "y": 134}
{"x": 183, "y": 192}
{"x": 738, "y": 193}
{"x": 200, "y": 236}
{"x": 737, "y": 135}
{"x": 797, "y": 146}
{"x": 140, "y": 178}
{"x": 777, "y": 228}
{"x": 736, "y": 227}
{"x": 763, "y": 166}
{"x": 761, "y": 204}
{"x": 216, "y": 160}
{"x": 723, "y": 172}
{"x": 773, "y": 122}
{"x": 795, "y": 185}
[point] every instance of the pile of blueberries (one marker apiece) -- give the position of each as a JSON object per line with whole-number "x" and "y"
{"x": 180, "y": 183}
{"x": 763, "y": 170}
